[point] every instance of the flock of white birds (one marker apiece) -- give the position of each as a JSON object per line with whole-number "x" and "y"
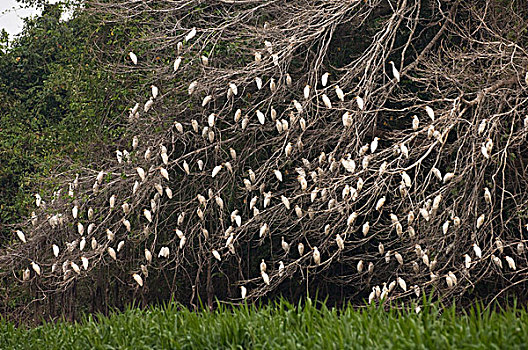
{"x": 153, "y": 173}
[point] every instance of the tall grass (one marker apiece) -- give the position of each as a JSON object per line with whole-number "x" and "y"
{"x": 280, "y": 326}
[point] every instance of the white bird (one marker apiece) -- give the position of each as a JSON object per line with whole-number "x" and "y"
{"x": 205, "y": 60}
{"x": 285, "y": 245}
{"x": 120, "y": 246}
{"x": 415, "y": 122}
{"x": 300, "y": 248}
{"x": 339, "y": 93}
{"x": 264, "y": 229}
{"x": 112, "y": 253}
{"x": 448, "y": 177}
{"x": 216, "y": 170}
{"x": 430, "y": 112}
{"x": 148, "y": 105}
{"x": 243, "y": 292}
{"x": 480, "y": 221}
{"x": 347, "y": 120}
{"x": 327, "y": 101}
{"x": 365, "y": 228}
{"x": 164, "y": 252}
{"x": 402, "y": 284}
{"x": 340, "y": 242}
{"x": 360, "y": 102}
{"x": 263, "y": 266}
{"x": 278, "y": 174}
{"x": 191, "y": 34}
{"x": 21, "y": 236}
{"x": 82, "y": 244}
{"x": 497, "y": 261}
{"x": 147, "y": 214}
{"x": 155, "y": 91}
{"x": 75, "y": 267}
{"x": 374, "y": 145}
{"x": 297, "y": 106}
{"x": 94, "y": 243}
{"x": 206, "y": 100}
{"x": 269, "y": 46}
{"x": 399, "y": 258}
{"x": 289, "y": 81}
{"x": 192, "y": 87}
{"x": 275, "y": 59}
{"x": 395, "y": 72}
{"x": 316, "y": 256}
{"x": 216, "y": 254}
{"x": 261, "y": 117}
{"x": 380, "y": 203}
{"x": 286, "y": 202}
{"x": 84, "y": 261}
{"x": 425, "y": 214}
{"x": 138, "y": 279}
{"x": 487, "y": 195}
{"x": 324, "y": 79}
{"x": 265, "y": 278}
{"x": 511, "y": 262}
{"x": 477, "y": 250}
{"x": 133, "y": 57}
{"x": 306, "y": 92}
{"x": 258, "y": 56}
{"x": 35, "y": 267}
{"x": 360, "y": 266}
{"x": 55, "y": 250}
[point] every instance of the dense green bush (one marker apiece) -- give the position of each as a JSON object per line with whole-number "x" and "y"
{"x": 279, "y": 326}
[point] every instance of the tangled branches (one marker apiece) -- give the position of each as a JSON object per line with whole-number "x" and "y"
{"x": 373, "y": 149}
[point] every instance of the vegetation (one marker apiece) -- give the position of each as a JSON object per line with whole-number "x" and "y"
{"x": 188, "y": 150}
{"x": 279, "y": 326}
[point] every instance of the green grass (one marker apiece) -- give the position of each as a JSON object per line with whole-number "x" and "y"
{"x": 280, "y": 326}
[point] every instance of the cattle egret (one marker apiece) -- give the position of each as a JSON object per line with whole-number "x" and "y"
{"x": 75, "y": 267}
{"x": 82, "y": 244}
{"x": 109, "y": 235}
{"x": 340, "y": 94}
{"x": 365, "y": 229}
{"x": 402, "y": 284}
{"x": 340, "y": 242}
{"x": 399, "y": 258}
{"x": 487, "y": 195}
{"x": 75, "y": 212}
{"x": 138, "y": 279}
{"x": 477, "y": 250}
{"x": 316, "y": 256}
{"x": 133, "y": 57}
{"x": 327, "y": 101}
{"x": 94, "y": 243}
{"x": 298, "y": 211}
{"x": 192, "y": 87}
{"x": 297, "y": 106}
{"x": 164, "y": 252}
{"x": 263, "y": 266}
{"x": 258, "y": 56}
{"x": 243, "y": 292}
{"x": 278, "y": 175}
{"x": 380, "y": 203}
{"x": 265, "y": 278}
{"x": 395, "y": 72}
{"x": 360, "y": 102}
{"x": 374, "y": 145}
{"x": 275, "y": 59}
{"x": 147, "y": 214}
{"x": 264, "y": 229}
{"x": 261, "y": 117}
{"x": 191, "y": 34}
{"x": 467, "y": 261}
{"x": 21, "y": 236}
{"x": 511, "y": 263}
{"x": 216, "y": 170}
{"x": 300, "y": 248}
{"x": 148, "y": 105}
{"x": 120, "y": 246}
{"x": 35, "y": 267}
{"x": 360, "y": 266}
{"x": 216, "y": 255}
{"x": 273, "y": 85}
{"x": 324, "y": 79}
{"x": 448, "y": 177}
{"x": 306, "y": 92}
{"x": 497, "y": 261}
{"x": 155, "y": 91}
{"x": 269, "y": 47}
{"x": 480, "y": 221}
{"x": 430, "y": 112}
{"x": 347, "y": 120}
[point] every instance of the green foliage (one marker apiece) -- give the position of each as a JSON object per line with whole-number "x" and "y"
{"x": 54, "y": 98}
{"x": 280, "y": 326}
